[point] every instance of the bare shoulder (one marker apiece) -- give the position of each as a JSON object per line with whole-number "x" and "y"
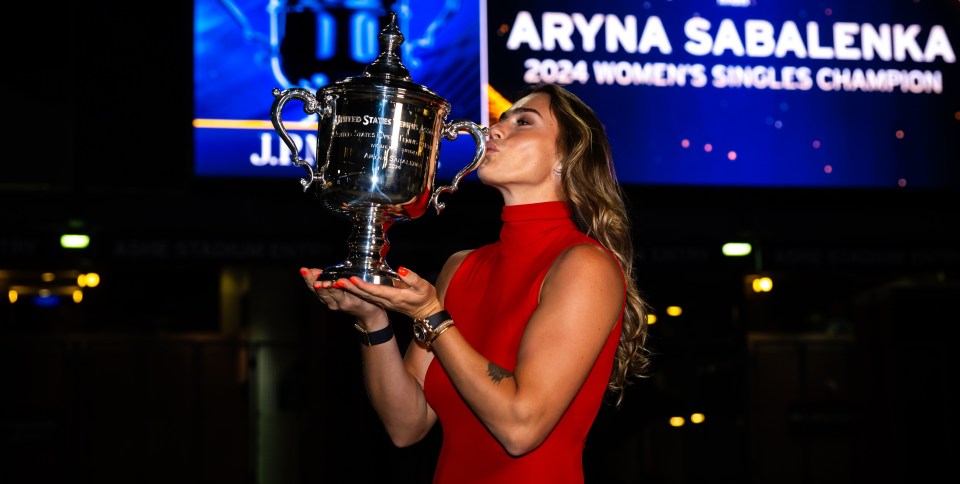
{"x": 584, "y": 288}
{"x": 586, "y": 265}
{"x": 587, "y": 258}
{"x": 457, "y": 258}
{"x": 449, "y": 269}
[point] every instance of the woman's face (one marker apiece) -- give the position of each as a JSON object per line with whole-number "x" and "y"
{"x": 522, "y": 151}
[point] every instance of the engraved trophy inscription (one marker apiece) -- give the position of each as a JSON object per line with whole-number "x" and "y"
{"x": 378, "y": 140}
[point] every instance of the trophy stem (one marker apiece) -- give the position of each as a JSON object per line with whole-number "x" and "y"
{"x": 367, "y": 247}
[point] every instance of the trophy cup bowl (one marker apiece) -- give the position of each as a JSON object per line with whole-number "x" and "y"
{"x": 378, "y": 141}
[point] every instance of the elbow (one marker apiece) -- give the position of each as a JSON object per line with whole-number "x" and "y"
{"x": 402, "y": 441}
{"x": 522, "y": 441}
{"x": 524, "y": 435}
{"x": 404, "y": 437}
{"x": 525, "y": 431}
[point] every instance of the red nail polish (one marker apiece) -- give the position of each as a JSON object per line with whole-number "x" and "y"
{"x": 338, "y": 284}
{"x": 403, "y": 271}
{"x": 354, "y": 279}
{"x": 317, "y": 285}
{"x": 303, "y": 272}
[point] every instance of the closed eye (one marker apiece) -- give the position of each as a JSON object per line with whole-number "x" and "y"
{"x": 520, "y": 114}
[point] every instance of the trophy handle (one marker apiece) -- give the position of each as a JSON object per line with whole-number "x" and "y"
{"x": 450, "y": 131}
{"x": 310, "y": 106}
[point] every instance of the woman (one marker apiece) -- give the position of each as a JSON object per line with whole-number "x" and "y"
{"x": 518, "y": 342}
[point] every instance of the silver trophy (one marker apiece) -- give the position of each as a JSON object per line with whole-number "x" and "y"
{"x": 378, "y": 142}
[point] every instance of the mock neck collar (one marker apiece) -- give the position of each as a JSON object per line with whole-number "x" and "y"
{"x": 536, "y": 211}
{"x": 524, "y": 225}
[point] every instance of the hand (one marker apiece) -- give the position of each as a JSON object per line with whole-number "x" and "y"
{"x": 417, "y": 300}
{"x": 337, "y": 299}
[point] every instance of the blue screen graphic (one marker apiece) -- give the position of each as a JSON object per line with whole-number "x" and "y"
{"x": 738, "y": 93}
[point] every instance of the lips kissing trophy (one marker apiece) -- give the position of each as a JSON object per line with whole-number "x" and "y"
{"x": 378, "y": 141}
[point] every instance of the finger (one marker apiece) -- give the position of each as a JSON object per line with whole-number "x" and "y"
{"x": 412, "y": 279}
{"x": 362, "y": 288}
{"x": 310, "y": 276}
{"x": 367, "y": 291}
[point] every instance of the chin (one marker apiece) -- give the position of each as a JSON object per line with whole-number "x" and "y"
{"x": 480, "y": 172}
{"x": 487, "y": 175}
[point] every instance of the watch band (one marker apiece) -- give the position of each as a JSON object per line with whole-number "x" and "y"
{"x": 377, "y": 337}
{"x": 436, "y": 319}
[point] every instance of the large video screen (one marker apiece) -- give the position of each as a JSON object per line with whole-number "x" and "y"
{"x": 739, "y": 93}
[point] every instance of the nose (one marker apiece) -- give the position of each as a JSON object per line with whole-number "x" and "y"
{"x": 495, "y": 132}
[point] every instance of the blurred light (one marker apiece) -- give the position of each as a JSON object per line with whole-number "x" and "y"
{"x": 676, "y": 421}
{"x": 74, "y": 241}
{"x": 731, "y": 155}
{"x": 762, "y": 284}
{"x": 651, "y": 319}
{"x": 674, "y": 310}
{"x": 708, "y": 147}
{"x": 45, "y": 293}
{"x": 12, "y": 296}
{"x": 697, "y": 418}
{"x": 82, "y": 280}
{"x": 77, "y": 296}
{"x": 48, "y": 276}
{"x": 736, "y": 249}
{"x": 93, "y": 279}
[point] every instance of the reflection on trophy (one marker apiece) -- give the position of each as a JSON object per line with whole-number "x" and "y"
{"x": 378, "y": 141}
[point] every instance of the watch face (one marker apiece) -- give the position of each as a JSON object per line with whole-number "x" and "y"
{"x": 419, "y": 332}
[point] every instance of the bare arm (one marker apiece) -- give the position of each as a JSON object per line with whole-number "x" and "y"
{"x": 398, "y": 398}
{"x": 393, "y": 382}
{"x": 580, "y": 301}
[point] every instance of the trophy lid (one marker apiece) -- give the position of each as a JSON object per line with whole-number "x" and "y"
{"x": 387, "y": 70}
{"x": 388, "y": 64}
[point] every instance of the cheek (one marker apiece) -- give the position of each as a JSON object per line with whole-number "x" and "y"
{"x": 537, "y": 158}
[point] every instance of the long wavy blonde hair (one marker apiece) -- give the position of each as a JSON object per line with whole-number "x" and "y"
{"x": 590, "y": 183}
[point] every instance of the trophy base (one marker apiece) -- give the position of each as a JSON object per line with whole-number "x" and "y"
{"x": 383, "y": 277}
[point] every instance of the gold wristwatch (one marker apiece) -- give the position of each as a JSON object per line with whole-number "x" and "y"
{"x": 425, "y": 330}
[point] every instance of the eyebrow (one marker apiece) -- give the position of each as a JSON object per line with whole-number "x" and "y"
{"x": 510, "y": 112}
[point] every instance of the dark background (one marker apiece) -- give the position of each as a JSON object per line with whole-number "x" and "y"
{"x": 201, "y": 358}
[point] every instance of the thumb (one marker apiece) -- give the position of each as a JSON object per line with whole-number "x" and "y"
{"x": 411, "y": 278}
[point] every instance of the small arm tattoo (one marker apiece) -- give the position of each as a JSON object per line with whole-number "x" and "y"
{"x": 496, "y": 373}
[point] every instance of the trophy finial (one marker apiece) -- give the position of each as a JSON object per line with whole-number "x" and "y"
{"x": 388, "y": 63}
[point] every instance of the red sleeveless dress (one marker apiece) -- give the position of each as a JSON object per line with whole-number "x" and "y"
{"x": 491, "y": 297}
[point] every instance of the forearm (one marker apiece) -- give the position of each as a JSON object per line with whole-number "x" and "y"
{"x": 394, "y": 392}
